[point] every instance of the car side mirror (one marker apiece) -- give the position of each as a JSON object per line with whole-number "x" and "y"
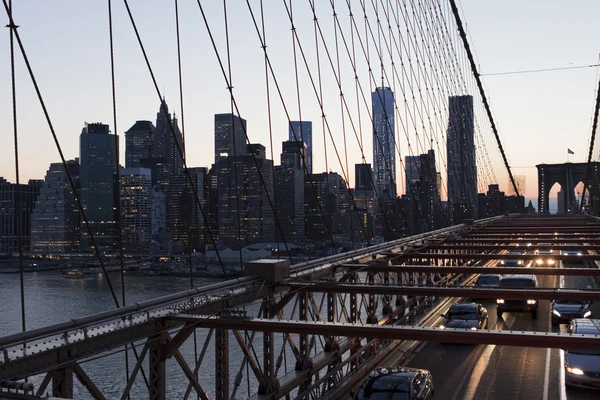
{"x": 443, "y": 315}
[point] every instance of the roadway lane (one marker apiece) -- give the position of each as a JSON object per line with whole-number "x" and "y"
{"x": 491, "y": 372}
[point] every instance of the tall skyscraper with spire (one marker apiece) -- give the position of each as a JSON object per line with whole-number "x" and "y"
{"x": 384, "y": 142}
{"x": 167, "y": 137}
{"x": 384, "y": 154}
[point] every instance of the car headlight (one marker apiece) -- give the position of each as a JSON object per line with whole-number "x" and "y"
{"x": 531, "y": 301}
{"x": 556, "y": 313}
{"x": 579, "y": 253}
{"x": 551, "y": 262}
{"x": 502, "y": 262}
{"x": 587, "y": 314}
{"x": 574, "y": 371}
{"x": 473, "y": 328}
{"x": 539, "y": 262}
{"x": 520, "y": 262}
{"x": 500, "y": 301}
{"x": 442, "y": 327}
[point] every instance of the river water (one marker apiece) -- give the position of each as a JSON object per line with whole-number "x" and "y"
{"x": 50, "y": 299}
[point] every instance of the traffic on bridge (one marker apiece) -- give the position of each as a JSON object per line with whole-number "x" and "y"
{"x": 342, "y": 317}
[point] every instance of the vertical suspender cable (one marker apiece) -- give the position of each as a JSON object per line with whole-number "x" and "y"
{"x": 116, "y": 174}
{"x": 18, "y": 209}
{"x": 184, "y": 159}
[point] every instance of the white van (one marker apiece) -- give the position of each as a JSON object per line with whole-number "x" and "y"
{"x": 582, "y": 367}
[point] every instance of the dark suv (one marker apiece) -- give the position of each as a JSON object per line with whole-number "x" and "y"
{"x": 517, "y": 282}
{"x": 397, "y": 383}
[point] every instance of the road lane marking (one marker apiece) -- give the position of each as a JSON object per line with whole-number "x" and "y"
{"x": 547, "y": 374}
{"x": 562, "y": 389}
{"x": 549, "y": 350}
{"x": 478, "y": 371}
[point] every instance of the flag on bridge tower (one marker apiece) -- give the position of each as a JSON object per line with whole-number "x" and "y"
{"x": 569, "y": 151}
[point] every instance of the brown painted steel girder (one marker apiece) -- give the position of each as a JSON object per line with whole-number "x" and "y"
{"x": 471, "y": 292}
{"x": 515, "y": 241}
{"x": 537, "y": 229}
{"x": 399, "y": 332}
{"x": 379, "y": 267}
{"x": 492, "y": 247}
{"x": 480, "y": 256}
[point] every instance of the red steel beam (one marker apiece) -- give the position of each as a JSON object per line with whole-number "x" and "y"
{"x": 471, "y": 292}
{"x": 500, "y": 269}
{"x": 399, "y": 332}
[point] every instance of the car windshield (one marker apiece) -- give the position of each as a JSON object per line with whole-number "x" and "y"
{"x": 462, "y": 315}
{"x": 386, "y": 387}
{"x": 517, "y": 283}
{"x": 488, "y": 280}
{"x": 581, "y": 303}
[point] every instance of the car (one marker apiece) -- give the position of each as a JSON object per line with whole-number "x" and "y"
{"x": 525, "y": 305}
{"x": 400, "y": 383}
{"x": 575, "y": 253}
{"x": 466, "y": 315}
{"x": 513, "y": 262}
{"x": 545, "y": 251}
{"x": 582, "y": 367}
{"x": 488, "y": 280}
{"x": 564, "y": 311}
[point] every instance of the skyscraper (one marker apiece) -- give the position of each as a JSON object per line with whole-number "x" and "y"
{"x": 99, "y": 191}
{"x": 289, "y": 192}
{"x": 230, "y": 138}
{"x": 138, "y": 143}
{"x": 166, "y": 140}
{"x": 136, "y": 209}
{"x": 302, "y": 131}
{"x": 244, "y": 213}
{"x": 185, "y": 218}
{"x": 384, "y": 142}
{"x": 462, "y": 169}
{"x": 412, "y": 171}
{"x": 55, "y": 221}
{"x": 364, "y": 201}
{"x": 10, "y": 220}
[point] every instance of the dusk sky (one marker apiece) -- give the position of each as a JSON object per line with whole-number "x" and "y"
{"x": 539, "y": 115}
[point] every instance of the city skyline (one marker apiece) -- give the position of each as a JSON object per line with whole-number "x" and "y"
{"x": 136, "y": 99}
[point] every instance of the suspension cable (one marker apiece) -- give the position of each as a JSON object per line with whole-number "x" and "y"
{"x": 483, "y": 96}
{"x": 589, "y": 162}
{"x": 178, "y": 145}
{"x": 60, "y": 152}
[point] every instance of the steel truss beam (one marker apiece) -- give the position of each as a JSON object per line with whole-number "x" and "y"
{"x": 479, "y": 256}
{"x": 398, "y": 332}
{"x": 508, "y": 241}
{"x": 380, "y": 267}
{"x": 498, "y": 247}
{"x": 471, "y": 292}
